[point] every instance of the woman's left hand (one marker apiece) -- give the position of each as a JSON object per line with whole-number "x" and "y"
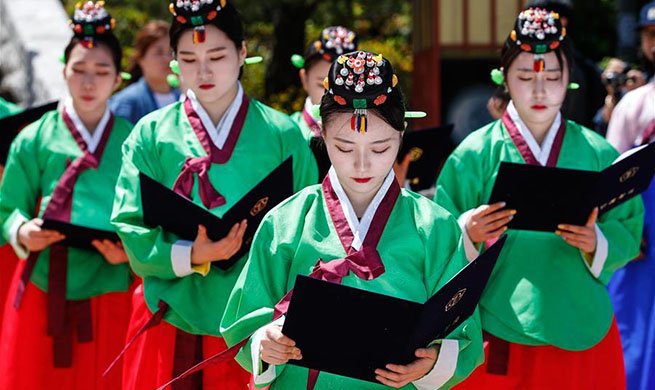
{"x": 113, "y": 252}
{"x": 581, "y": 237}
{"x": 397, "y": 376}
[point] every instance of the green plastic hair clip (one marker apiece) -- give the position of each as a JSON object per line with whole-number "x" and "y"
{"x": 316, "y": 111}
{"x": 173, "y": 81}
{"x": 175, "y": 66}
{"x": 497, "y": 76}
{"x": 253, "y": 60}
{"x": 62, "y": 58}
{"x": 415, "y": 114}
{"x": 298, "y": 61}
{"x": 126, "y": 76}
{"x": 574, "y": 86}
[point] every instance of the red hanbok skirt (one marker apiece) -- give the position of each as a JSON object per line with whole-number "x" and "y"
{"x": 148, "y": 363}
{"x": 546, "y": 368}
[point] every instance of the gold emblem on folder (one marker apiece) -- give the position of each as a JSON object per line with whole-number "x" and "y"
{"x": 629, "y": 174}
{"x": 415, "y": 154}
{"x": 455, "y": 299}
{"x": 259, "y": 206}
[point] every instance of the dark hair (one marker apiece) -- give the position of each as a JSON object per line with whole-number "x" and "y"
{"x": 146, "y": 37}
{"x": 226, "y": 20}
{"x": 109, "y": 40}
{"x": 511, "y": 50}
{"x": 391, "y": 111}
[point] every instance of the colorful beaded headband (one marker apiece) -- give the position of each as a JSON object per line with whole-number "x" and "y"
{"x": 196, "y": 13}
{"x": 89, "y": 21}
{"x": 333, "y": 42}
{"x": 360, "y": 80}
{"x": 538, "y": 31}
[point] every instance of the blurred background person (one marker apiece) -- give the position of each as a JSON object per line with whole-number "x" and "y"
{"x": 618, "y": 78}
{"x": 149, "y": 67}
{"x": 632, "y": 287}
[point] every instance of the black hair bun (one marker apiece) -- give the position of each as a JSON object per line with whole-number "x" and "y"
{"x": 360, "y": 80}
{"x": 91, "y": 20}
{"x": 538, "y": 31}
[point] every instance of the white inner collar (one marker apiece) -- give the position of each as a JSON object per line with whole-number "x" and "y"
{"x": 309, "y": 107}
{"x": 360, "y": 227}
{"x": 541, "y": 153}
{"x": 220, "y": 132}
{"x": 91, "y": 140}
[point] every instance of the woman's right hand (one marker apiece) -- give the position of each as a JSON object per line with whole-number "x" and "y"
{"x": 488, "y": 222}
{"x": 32, "y": 237}
{"x": 205, "y": 250}
{"x": 276, "y": 348}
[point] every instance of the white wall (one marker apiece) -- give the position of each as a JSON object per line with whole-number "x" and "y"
{"x": 33, "y": 35}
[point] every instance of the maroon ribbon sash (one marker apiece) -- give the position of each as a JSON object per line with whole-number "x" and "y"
{"x": 365, "y": 263}
{"x": 523, "y": 147}
{"x": 311, "y": 122}
{"x": 61, "y": 313}
{"x": 200, "y": 165}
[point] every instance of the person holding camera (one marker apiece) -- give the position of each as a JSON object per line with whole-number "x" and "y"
{"x": 618, "y": 79}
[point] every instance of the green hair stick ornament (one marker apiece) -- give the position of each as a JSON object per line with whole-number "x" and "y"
{"x": 415, "y": 114}
{"x": 497, "y": 76}
{"x": 298, "y": 61}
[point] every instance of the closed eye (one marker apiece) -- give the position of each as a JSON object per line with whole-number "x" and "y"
{"x": 344, "y": 150}
{"x": 380, "y": 151}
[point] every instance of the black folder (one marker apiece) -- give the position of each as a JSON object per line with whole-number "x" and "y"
{"x": 429, "y": 148}
{"x": 545, "y": 197}
{"x": 180, "y": 216}
{"x": 78, "y": 236}
{"x": 10, "y": 126}
{"x": 352, "y": 332}
{"x": 317, "y": 145}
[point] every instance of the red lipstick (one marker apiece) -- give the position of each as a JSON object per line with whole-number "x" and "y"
{"x": 362, "y": 179}
{"x": 206, "y": 86}
{"x": 539, "y": 107}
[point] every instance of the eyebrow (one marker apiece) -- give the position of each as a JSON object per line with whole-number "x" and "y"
{"x": 101, "y": 64}
{"x": 545, "y": 70}
{"x": 220, "y": 48}
{"x": 380, "y": 141}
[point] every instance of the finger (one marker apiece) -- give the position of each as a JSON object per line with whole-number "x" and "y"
{"x": 574, "y": 229}
{"x": 242, "y": 229}
{"x": 388, "y": 374}
{"x": 270, "y": 348}
{"x": 491, "y": 208}
{"x": 202, "y": 234}
{"x": 592, "y": 218}
{"x": 38, "y": 222}
{"x": 426, "y": 353}
{"x": 498, "y": 224}
{"x": 44, "y": 233}
{"x": 268, "y": 358}
{"x": 497, "y": 216}
{"x": 398, "y": 369}
{"x": 233, "y": 231}
{"x": 282, "y": 339}
{"x": 280, "y": 348}
{"x": 574, "y": 236}
{"x": 492, "y": 235}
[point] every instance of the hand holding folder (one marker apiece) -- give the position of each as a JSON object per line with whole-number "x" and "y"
{"x": 78, "y": 236}
{"x": 352, "y": 332}
{"x": 546, "y": 197}
{"x": 180, "y": 216}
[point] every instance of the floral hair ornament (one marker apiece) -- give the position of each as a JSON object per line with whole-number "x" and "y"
{"x": 333, "y": 42}
{"x": 360, "y": 80}
{"x": 196, "y": 13}
{"x": 538, "y": 31}
{"x": 89, "y": 21}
